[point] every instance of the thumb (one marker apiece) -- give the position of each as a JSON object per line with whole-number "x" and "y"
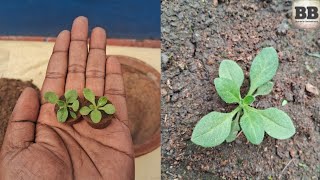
{"x": 21, "y": 128}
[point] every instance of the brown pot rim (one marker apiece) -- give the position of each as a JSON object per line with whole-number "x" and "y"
{"x": 155, "y": 140}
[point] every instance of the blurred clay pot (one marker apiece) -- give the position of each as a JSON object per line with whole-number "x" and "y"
{"x": 142, "y": 87}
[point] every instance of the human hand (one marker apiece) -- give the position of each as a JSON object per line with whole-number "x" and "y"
{"x": 37, "y": 146}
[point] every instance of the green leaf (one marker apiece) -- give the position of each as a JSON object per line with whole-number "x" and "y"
{"x": 263, "y": 68}
{"x": 109, "y": 109}
{"x": 71, "y": 96}
{"x": 89, "y": 95}
{"x": 62, "y": 114}
{"x": 85, "y": 110}
{"x": 75, "y": 105}
{"x": 227, "y": 90}
{"x": 73, "y": 115}
{"x": 248, "y": 100}
{"x": 92, "y": 107}
{"x": 61, "y": 103}
{"x": 231, "y": 70}
{"x": 284, "y": 102}
{"x": 234, "y": 129}
{"x": 51, "y": 97}
{"x": 102, "y": 101}
{"x": 265, "y": 89}
{"x": 277, "y": 123}
{"x": 251, "y": 125}
{"x": 212, "y": 129}
{"x": 95, "y": 116}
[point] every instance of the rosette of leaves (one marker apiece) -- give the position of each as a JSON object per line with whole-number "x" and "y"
{"x": 95, "y": 109}
{"x": 216, "y": 127}
{"x": 67, "y": 106}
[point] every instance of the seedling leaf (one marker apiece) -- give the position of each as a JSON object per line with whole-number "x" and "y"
{"x": 227, "y": 90}
{"x": 95, "y": 116}
{"x": 75, "y": 105}
{"x": 73, "y": 115}
{"x": 284, "y": 102}
{"x": 91, "y": 107}
{"x": 248, "y": 100}
{"x": 102, "y": 101}
{"x": 251, "y": 126}
{"x": 62, "y": 114}
{"x": 51, "y": 97}
{"x": 71, "y": 96}
{"x": 234, "y": 129}
{"x": 265, "y": 89}
{"x": 61, "y": 103}
{"x": 277, "y": 123}
{"x": 109, "y": 109}
{"x": 231, "y": 70}
{"x": 216, "y": 127}
{"x": 89, "y": 95}
{"x": 212, "y": 129}
{"x": 85, "y": 110}
{"x": 263, "y": 68}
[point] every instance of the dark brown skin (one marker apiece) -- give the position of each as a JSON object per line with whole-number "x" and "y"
{"x": 37, "y": 146}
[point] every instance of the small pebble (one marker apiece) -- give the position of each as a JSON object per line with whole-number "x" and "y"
{"x": 312, "y": 89}
{"x": 163, "y": 92}
{"x": 288, "y": 96}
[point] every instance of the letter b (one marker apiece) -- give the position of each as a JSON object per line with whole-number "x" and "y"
{"x": 300, "y": 12}
{"x": 312, "y": 12}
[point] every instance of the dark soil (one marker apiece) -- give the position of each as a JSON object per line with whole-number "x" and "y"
{"x": 196, "y": 37}
{"x": 10, "y": 90}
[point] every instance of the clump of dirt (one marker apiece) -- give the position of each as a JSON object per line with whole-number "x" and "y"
{"x": 196, "y": 37}
{"x": 10, "y": 90}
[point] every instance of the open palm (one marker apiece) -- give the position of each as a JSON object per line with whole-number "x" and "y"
{"x": 37, "y": 146}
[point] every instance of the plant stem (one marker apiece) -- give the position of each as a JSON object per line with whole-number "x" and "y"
{"x": 236, "y": 110}
{"x": 251, "y": 91}
{"x": 238, "y": 115}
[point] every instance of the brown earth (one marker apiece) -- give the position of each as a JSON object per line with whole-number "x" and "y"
{"x": 196, "y": 37}
{"x": 10, "y": 90}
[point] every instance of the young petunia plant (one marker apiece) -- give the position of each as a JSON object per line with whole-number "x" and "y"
{"x": 95, "y": 109}
{"x": 67, "y": 106}
{"x": 215, "y": 127}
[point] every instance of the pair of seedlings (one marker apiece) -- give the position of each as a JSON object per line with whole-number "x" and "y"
{"x": 97, "y": 111}
{"x": 215, "y": 127}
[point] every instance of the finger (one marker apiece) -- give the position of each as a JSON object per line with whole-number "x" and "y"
{"x": 21, "y": 128}
{"x": 77, "y": 55}
{"x": 114, "y": 88}
{"x": 57, "y": 66}
{"x": 95, "y": 71}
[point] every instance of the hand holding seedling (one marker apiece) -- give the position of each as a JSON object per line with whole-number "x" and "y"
{"x": 38, "y": 146}
{"x": 215, "y": 127}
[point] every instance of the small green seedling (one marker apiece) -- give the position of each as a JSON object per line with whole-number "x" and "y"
{"x": 94, "y": 109}
{"x": 215, "y": 127}
{"x": 69, "y": 106}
